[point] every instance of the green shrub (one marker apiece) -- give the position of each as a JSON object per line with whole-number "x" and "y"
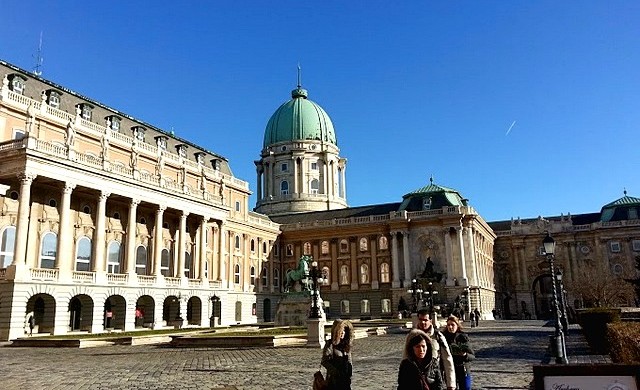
{"x": 594, "y": 326}
{"x": 624, "y": 342}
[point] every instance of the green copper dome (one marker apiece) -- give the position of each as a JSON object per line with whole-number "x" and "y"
{"x": 299, "y": 119}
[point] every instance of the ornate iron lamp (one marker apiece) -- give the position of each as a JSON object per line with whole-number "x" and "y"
{"x": 317, "y": 278}
{"x": 416, "y": 293}
{"x": 557, "y": 344}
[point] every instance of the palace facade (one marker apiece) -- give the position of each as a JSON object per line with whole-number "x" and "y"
{"x": 108, "y": 223}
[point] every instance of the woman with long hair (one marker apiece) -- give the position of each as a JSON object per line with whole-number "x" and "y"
{"x": 336, "y": 356}
{"x": 461, "y": 350}
{"x": 419, "y": 370}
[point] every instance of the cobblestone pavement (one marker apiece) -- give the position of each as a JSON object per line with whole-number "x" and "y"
{"x": 505, "y": 353}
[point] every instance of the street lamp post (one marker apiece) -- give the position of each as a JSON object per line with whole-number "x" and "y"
{"x": 563, "y": 303}
{"x": 316, "y": 278}
{"x": 416, "y": 294}
{"x": 558, "y": 345}
{"x": 430, "y": 295}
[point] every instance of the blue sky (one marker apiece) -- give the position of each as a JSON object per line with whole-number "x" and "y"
{"x": 414, "y": 88}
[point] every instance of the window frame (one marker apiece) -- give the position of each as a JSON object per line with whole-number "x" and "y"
{"x": 7, "y": 246}
{"x": 51, "y": 255}
{"x": 83, "y": 260}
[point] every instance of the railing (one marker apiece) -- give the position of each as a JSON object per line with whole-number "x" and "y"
{"x": 215, "y": 284}
{"x": 195, "y": 283}
{"x": 89, "y": 159}
{"x": 117, "y": 278}
{"x": 16, "y": 97}
{"x": 93, "y": 126}
{"x": 121, "y": 169}
{"x": 146, "y": 280}
{"x": 44, "y": 146}
{"x": 65, "y": 116}
{"x": 174, "y": 282}
{"x": 121, "y": 137}
{"x": 44, "y": 274}
{"x": 83, "y": 277}
{"x": 13, "y": 144}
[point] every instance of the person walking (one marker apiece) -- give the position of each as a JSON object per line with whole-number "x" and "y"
{"x": 472, "y": 318}
{"x": 461, "y": 351}
{"x": 476, "y": 315}
{"x": 32, "y": 324}
{"x": 439, "y": 348}
{"x": 419, "y": 370}
{"x": 336, "y": 356}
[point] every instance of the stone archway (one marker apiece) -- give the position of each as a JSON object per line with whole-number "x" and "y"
{"x": 43, "y": 309}
{"x": 80, "y": 313}
{"x": 114, "y": 312}
{"x": 542, "y": 292}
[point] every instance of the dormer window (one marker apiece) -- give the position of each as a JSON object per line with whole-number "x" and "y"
{"x": 115, "y": 123}
{"x": 426, "y": 204}
{"x": 53, "y": 98}
{"x": 182, "y": 150}
{"x": 17, "y": 83}
{"x": 138, "y": 133}
{"x": 85, "y": 111}
{"x": 200, "y": 158}
{"x": 161, "y": 142}
{"x": 215, "y": 164}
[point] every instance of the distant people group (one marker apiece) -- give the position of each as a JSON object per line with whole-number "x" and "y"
{"x": 432, "y": 359}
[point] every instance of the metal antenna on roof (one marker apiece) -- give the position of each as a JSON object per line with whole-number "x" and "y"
{"x": 299, "y": 76}
{"x": 625, "y": 191}
{"x": 431, "y": 179}
{"x": 37, "y": 70}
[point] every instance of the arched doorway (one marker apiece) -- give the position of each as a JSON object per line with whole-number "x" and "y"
{"x": 194, "y": 311}
{"x": 266, "y": 310}
{"x": 542, "y": 292}
{"x": 75, "y": 314}
{"x": 171, "y": 311}
{"x": 145, "y": 312}
{"x": 43, "y": 307}
{"x": 115, "y": 312}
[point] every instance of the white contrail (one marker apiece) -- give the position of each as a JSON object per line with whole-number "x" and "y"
{"x": 510, "y": 127}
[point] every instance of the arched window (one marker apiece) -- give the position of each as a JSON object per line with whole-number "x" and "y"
{"x": 289, "y": 249}
{"x": 315, "y": 186}
{"x": 364, "y": 244}
{"x": 384, "y": 273}
{"x": 383, "y": 243}
{"x": 265, "y": 277}
{"x": 344, "y": 275}
{"x": 7, "y": 245}
{"x": 264, "y": 248}
{"x": 236, "y": 274}
{"x": 344, "y": 306}
{"x": 326, "y": 275}
{"x": 324, "y": 248}
{"x": 344, "y": 246}
{"x": 48, "y": 252}
{"x": 141, "y": 260}
{"x": 253, "y": 245}
{"x": 114, "y": 257}
{"x": 252, "y": 276}
{"x": 237, "y": 244}
{"x": 364, "y": 306}
{"x": 385, "y": 304}
{"x": 83, "y": 254}
{"x": 284, "y": 187}
{"x": 206, "y": 269}
{"x": 165, "y": 261}
{"x": 187, "y": 265}
{"x": 364, "y": 274}
{"x": 306, "y": 248}
{"x": 276, "y": 277}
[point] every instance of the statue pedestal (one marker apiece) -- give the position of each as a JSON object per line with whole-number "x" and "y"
{"x": 293, "y": 309}
{"x": 315, "y": 332}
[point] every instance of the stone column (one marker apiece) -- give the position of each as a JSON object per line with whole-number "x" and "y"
{"x": 131, "y": 238}
{"x": 335, "y": 272}
{"x": 374, "y": 263}
{"x": 353, "y": 260}
{"x": 296, "y": 181}
{"x": 259, "y": 182}
{"x": 99, "y": 259}
{"x": 395, "y": 266}
{"x": 221, "y": 251}
{"x": 472, "y": 254}
{"x": 405, "y": 255}
{"x": 65, "y": 234}
{"x": 157, "y": 242}
{"x": 325, "y": 181}
{"x": 516, "y": 263}
{"x": 523, "y": 267}
{"x": 203, "y": 252}
{"x": 22, "y": 225}
{"x": 230, "y": 259}
{"x": 182, "y": 235}
{"x": 465, "y": 281}
{"x": 448, "y": 252}
{"x": 344, "y": 182}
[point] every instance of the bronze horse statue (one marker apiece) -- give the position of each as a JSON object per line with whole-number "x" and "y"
{"x": 300, "y": 274}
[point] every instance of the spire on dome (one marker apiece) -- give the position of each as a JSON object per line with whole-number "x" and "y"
{"x": 299, "y": 92}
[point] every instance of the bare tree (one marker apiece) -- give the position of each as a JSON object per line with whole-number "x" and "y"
{"x": 600, "y": 287}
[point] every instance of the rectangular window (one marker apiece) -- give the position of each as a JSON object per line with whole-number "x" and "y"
{"x": 314, "y": 166}
{"x": 615, "y": 246}
{"x": 237, "y": 206}
{"x": 284, "y": 167}
{"x": 115, "y": 124}
{"x": 18, "y": 134}
{"x": 633, "y": 213}
{"x": 636, "y": 245}
{"x": 289, "y": 250}
{"x": 85, "y": 112}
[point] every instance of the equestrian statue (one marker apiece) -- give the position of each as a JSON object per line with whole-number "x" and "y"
{"x": 300, "y": 274}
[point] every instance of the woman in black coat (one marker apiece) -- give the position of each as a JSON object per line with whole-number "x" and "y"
{"x": 336, "y": 356}
{"x": 460, "y": 349}
{"x": 419, "y": 370}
